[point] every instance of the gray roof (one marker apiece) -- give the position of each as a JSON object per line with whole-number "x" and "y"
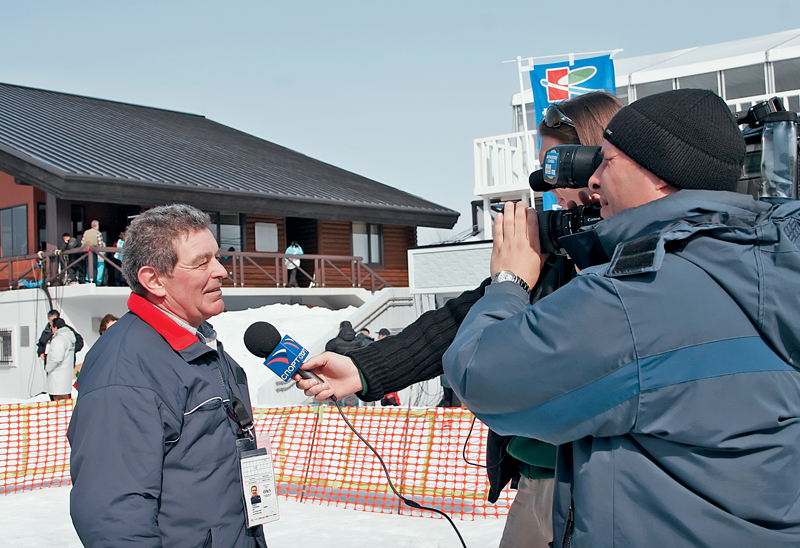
{"x": 81, "y": 148}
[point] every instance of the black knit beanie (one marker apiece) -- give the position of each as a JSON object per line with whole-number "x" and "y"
{"x": 687, "y": 137}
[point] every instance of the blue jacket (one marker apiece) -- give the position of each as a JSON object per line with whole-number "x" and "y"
{"x": 669, "y": 372}
{"x": 154, "y": 460}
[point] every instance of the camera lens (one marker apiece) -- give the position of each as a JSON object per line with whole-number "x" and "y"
{"x": 570, "y": 166}
{"x": 556, "y": 224}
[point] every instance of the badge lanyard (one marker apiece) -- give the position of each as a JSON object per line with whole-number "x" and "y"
{"x": 255, "y": 465}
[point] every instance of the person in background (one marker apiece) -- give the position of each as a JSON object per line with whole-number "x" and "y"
{"x": 383, "y": 333}
{"x": 416, "y": 353}
{"x": 346, "y": 340}
{"x": 117, "y": 279}
{"x": 449, "y": 399}
{"x": 67, "y": 243}
{"x": 391, "y": 399}
{"x": 94, "y": 238}
{"x": 60, "y": 361}
{"x": 363, "y": 334}
{"x": 46, "y": 335}
{"x": 107, "y": 321}
{"x": 293, "y": 264}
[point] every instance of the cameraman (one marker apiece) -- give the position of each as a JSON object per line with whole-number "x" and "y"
{"x": 669, "y": 370}
{"x": 415, "y": 354}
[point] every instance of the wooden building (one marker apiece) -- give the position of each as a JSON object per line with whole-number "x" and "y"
{"x": 66, "y": 160}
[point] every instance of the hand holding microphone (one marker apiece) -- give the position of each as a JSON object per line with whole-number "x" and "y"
{"x": 341, "y": 376}
{"x": 282, "y": 356}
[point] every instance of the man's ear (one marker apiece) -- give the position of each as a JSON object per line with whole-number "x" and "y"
{"x": 660, "y": 185}
{"x": 150, "y": 279}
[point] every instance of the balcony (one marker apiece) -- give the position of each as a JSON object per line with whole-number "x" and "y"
{"x": 245, "y": 269}
{"x": 501, "y": 169}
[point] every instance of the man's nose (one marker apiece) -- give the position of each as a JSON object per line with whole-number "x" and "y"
{"x": 219, "y": 269}
{"x": 594, "y": 181}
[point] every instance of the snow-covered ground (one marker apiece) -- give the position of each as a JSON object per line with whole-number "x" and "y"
{"x": 41, "y": 518}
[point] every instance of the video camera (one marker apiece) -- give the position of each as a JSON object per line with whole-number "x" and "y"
{"x": 770, "y": 173}
{"x": 565, "y": 166}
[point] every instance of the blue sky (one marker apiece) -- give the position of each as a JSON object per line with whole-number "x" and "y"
{"x": 392, "y": 91}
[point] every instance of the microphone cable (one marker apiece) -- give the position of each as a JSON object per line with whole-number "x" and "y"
{"x": 407, "y": 501}
{"x": 466, "y": 441}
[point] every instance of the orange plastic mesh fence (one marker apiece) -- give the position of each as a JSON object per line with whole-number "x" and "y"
{"x": 33, "y": 445}
{"x": 317, "y": 457}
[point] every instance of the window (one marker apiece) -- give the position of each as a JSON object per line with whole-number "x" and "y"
{"x": 707, "y": 80}
{"x": 266, "y": 237}
{"x": 787, "y": 75}
{"x": 744, "y": 82}
{"x": 5, "y": 347}
{"x": 14, "y": 231}
{"x": 77, "y": 220}
{"x": 226, "y": 228}
{"x": 651, "y": 88}
{"x": 622, "y": 95}
{"x": 368, "y": 242}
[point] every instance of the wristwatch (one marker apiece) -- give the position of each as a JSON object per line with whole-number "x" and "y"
{"x": 508, "y": 276}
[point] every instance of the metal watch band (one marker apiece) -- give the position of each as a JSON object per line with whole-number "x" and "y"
{"x": 508, "y": 276}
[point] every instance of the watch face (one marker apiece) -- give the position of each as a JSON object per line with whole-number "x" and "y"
{"x": 505, "y": 276}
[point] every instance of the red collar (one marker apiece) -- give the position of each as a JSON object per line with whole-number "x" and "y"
{"x": 177, "y": 337}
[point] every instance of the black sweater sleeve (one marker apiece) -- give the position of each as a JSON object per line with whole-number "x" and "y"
{"x": 415, "y": 354}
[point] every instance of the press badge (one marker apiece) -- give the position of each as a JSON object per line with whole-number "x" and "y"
{"x": 258, "y": 482}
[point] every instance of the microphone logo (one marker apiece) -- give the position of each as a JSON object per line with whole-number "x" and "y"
{"x": 286, "y": 358}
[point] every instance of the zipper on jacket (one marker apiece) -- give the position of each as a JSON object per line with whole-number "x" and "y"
{"x": 567, "y": 542}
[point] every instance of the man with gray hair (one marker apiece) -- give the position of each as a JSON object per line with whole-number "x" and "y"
{"x": 163, "y": 413}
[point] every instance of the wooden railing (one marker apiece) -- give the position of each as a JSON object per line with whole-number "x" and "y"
{"x": 272, "y": 266}
{"x": 262, "y": 269}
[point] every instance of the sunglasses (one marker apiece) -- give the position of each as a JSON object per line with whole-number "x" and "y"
{"x": 553, "y": 117}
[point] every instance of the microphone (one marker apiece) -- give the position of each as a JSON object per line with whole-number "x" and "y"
{"x": 282, "y": 356}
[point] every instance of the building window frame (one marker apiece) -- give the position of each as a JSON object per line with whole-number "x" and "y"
{"x": 14, "y": 227}
{"x": 6, "y": 346}
{"x": 216, "y": 228}
{"x": 367, "y": 239}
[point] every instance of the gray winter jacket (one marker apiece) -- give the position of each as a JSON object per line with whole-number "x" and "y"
{"x": 669, "y": 372}
{"x": 154, "y": 460}
{"x": 345, "y": 341}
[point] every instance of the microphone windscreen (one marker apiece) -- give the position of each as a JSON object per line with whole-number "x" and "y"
{"x": 261, "y": 338}
{"x": 536, "y": 181}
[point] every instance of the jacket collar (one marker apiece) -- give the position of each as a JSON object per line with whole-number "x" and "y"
{"x": 177, "y": 337}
